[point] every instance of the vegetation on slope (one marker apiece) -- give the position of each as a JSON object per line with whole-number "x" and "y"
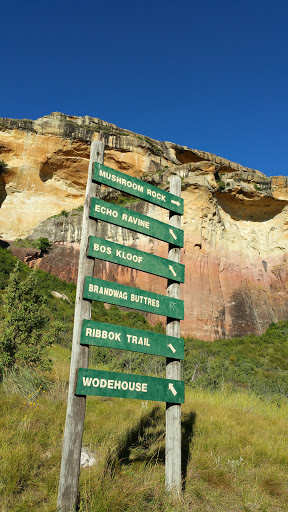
{"x": 234, "y": 423}
{"x": 255, "y": 363}
{"x": 42, "y": 243}
{"x": 60, "y": 313}
{"x": 24, "y": 336}
{"x": 234, "y": 452}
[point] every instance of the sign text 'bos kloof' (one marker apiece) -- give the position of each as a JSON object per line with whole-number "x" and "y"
{"x": 134, "y": 258}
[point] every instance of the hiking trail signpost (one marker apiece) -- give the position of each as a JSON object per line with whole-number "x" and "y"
{"x": 84, "y": 381}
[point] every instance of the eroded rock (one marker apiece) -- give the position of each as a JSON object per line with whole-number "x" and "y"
{"x": 235, "y": 220}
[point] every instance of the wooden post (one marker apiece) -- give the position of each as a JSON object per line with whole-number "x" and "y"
{"x": 72, "y": 443}
{"x": 173, "y": 369}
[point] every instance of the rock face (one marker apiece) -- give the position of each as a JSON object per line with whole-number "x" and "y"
{"x": 235, "y": 220}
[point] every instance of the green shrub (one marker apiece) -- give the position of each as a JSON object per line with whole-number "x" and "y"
{"x": 7, "y": 264}
{"x": 25, "y": 332}
{"x": 154, "y": 147}
{"x": 255, "y": 363}
{"x": 43, "y": 244}
{"x": 64, "y": 213}
{"x": 123, "y": 199}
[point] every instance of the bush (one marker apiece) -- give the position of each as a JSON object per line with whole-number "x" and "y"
{"x": 255, "y": 363}
{"x": 43, "y": 244}
{"x": 25, "y": 331}
{"x": 7, "y": 264}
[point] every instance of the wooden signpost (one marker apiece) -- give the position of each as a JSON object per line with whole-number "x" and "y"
{"x": 72, "y": 442}
{"x": 84, "y": 381}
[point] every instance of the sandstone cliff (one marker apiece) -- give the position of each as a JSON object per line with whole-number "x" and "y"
{"x": 235, "y": 219}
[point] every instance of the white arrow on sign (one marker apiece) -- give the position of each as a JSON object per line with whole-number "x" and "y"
{"x": 172, "y": 270}
{"x": 172, "y": 348}
{"x": 171, "y": 387}
{"x": 175, "y": 202}
{"x": 173, "y": 306}
{"x": 173, "y": 234}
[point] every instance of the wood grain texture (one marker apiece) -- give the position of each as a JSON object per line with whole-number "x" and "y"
{"x": 71, "y": 452}
{"x": 173, "y": 369}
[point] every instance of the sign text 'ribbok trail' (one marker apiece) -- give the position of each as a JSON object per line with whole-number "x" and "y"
{"x": 127, "y": 338}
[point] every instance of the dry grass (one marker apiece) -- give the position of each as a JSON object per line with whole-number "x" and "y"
{"x": 237, "y": 462}
{"x": 239, "y": 454}
{"x": 235, "y": 452}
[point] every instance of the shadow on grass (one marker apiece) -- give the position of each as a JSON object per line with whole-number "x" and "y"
{"x": 137, "y": 441}
{"x": 187, "y": 423}
{"x": 146, "y": 442}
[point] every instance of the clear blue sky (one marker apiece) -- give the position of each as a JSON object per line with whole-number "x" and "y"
{"x": 211, "y": 75}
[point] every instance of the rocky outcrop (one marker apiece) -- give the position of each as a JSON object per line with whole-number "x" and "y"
{"x": 235, "y": 220}
{"x": 48, "y": 161}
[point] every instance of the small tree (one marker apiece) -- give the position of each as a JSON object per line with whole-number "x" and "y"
{"x": 43, "y": 244}
{"x": 24, "y": 332}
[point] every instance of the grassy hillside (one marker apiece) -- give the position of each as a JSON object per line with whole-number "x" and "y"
{"x": 234, "y": 424}
{"x": 234, "y": 451}
{"x": 254, "y": 363}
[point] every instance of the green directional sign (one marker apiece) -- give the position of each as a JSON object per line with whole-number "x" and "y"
{"x": 126, "y": 385}
{"x": 134, "y": 258}
{"x": 135, "y": 298}
{"x": 138, "y": 188}
{"x": 136, "y": 221}
{"x": 135, "y": 340}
